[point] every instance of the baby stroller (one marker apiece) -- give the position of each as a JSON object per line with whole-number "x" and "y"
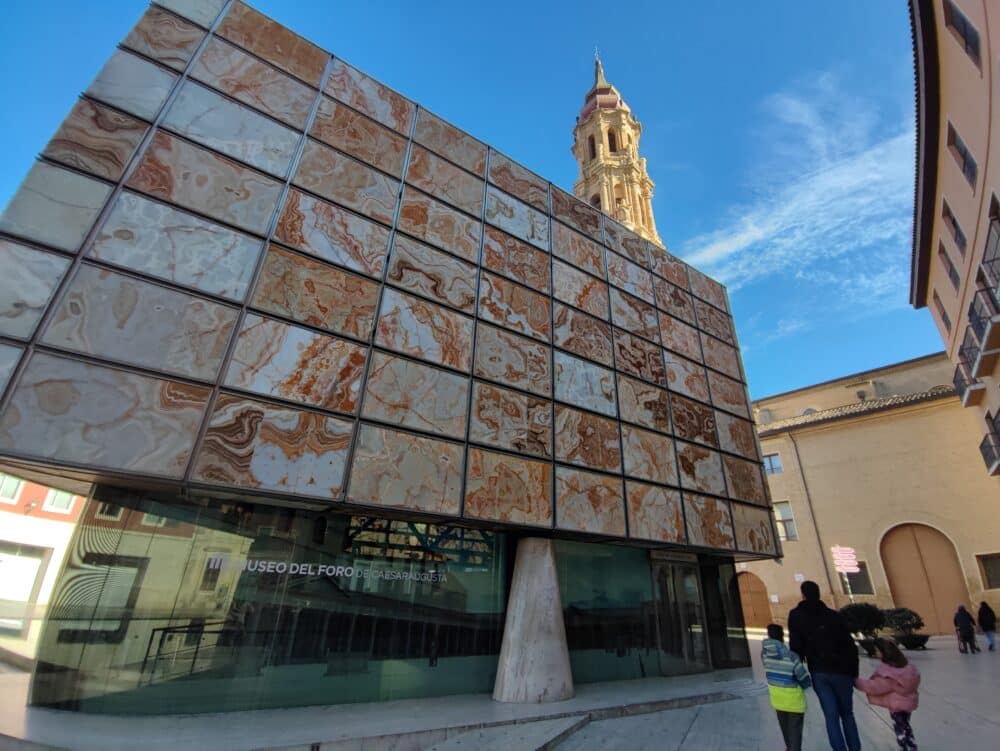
{"x": 965, "y": 641}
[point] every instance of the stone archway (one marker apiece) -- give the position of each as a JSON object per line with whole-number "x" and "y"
{"x": 754, "y": 599}
{"x": 924, "y": 574}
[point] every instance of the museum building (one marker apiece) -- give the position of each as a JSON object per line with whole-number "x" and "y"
{"x": 355, "y": 406}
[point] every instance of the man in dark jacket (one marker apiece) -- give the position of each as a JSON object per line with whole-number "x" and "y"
{"x": 988, "y": 624}
{"x": 820, "y": 637}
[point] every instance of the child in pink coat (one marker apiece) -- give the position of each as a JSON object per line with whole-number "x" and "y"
{"x": 894, "y": 686}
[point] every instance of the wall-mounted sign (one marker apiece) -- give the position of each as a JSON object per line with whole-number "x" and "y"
{"x": 845, "y": 560}
{"x": 800, "y": 578}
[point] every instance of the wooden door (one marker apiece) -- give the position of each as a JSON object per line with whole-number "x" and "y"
{"x": 924, "y": 574}
{"x": 753, "y": 597}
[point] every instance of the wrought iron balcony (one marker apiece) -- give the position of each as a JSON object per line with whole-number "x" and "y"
{"x": 990, "y": 267}
{"x": 984, "y": 323}
{"x": 970, "y": 390}
{"x": 990, "y": 449}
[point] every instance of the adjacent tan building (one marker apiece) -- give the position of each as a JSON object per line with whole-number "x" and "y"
{"x": 884, "y": 462}
{"x": 956, "y": 238}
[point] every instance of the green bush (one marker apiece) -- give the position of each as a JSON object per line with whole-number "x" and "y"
{"x": 863, "y": 618}
{"x": 903, "y": 620}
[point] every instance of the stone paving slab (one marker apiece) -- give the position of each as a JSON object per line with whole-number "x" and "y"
{"x": 525, "y": 736}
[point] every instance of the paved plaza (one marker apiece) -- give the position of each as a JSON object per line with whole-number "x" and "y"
{"x": 959, "y": 709}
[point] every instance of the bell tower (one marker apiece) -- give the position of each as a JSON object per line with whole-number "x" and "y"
{"x": 613, "y": 176}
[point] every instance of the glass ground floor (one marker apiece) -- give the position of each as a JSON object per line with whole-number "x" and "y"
{"x": 155, "y": 605}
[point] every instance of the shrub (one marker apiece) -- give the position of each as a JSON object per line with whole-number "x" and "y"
{"x": 863, "y": 618}
{"x": 903, "y": 620}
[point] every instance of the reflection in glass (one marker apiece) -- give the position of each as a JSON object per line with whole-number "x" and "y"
{"x": 183, "y": 608}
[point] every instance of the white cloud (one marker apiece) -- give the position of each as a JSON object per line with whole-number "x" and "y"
{"x": 831, "y": 203}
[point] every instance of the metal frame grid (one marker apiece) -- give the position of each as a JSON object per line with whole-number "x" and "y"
{"x": 246, "y": 305}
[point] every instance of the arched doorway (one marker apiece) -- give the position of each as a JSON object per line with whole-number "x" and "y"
{"x": 924, "y": 574}
{"x": 753, "y": 597}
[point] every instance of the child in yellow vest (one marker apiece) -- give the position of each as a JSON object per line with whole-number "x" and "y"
{"x": 787, "y": 679}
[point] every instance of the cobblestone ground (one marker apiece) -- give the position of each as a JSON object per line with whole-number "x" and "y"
{"x": 959, "y": 711}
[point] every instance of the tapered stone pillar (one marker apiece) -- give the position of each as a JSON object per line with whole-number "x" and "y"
{"x": 534, "y": 659}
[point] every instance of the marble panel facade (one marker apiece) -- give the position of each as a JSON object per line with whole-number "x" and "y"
{"x": 273, "y": 42}
{"x": 132, "y": 84}
{"x": 422, "y": 329}
{"x": 521, "y": 183}
{"x": 411, "y": 395}
{"x": 246, "y": 79}
{"x": 421, "y": 269}
{"x": 517, "y": 218}
{"x": 686, "y": 377}
{"x": 9, "y": 358}
{"x": 68, "y": 411}
{"x": 444, "y": 181}
{"x": 27, "y": 283}
{"x": 700, "y": 469}
{"x": 639, "y": 358}
{"x": 514, "y": 307}
{"x": 680, "y": 337}
{"x": 629, "y": 276}
{"x": 347, "y": 182}
{"x": 194, "y": 178}
{"x": 576, "y": 214}
{"x": 714, "y": 321}
{"x": 693, "y": 421}
{"x": 160, "y": 241}
{"x": 250, "y": 444}
{"x": 708, "y": 522}
{"x": 401, "y": 470}
{"x": 654, "y": 513}
{"x": 333, "y": 234}
{"x": 165, "y": 38}
{"x": 361, "y": 137}
{"x": 580, "y": 290}
{"x": 54, "y": 206}
{"x": 674, "y": 300}
{"x": 708, "y": 289}
{"x": 447, "y": 140}
{"x": 721, "y": 356}
{"x": 510, "y": 420}
{"x": 439, "y": 224}
{"x": 121, "y": 318}
{"x": 648, "y": 455}
{"x": 367, "y": 95}
{"x": 625, "y": 242}
{"x": 506, "y": 488}
{"x": 297, "y": 364}
{"x": 584, "y": 384}
{"x": 634, "y": 316}
{"x": 588, "y": 502}
{"x": 577, "y": 250}
{"x": 753, "y": 529}
{"x": 588, "y": 440}
{"x": 736, "y": 435}
{"x": 202, "y": 12}
{"x": 643, "y": 404}
{"x": 305, "y": 290}
{"x": 745, "y": 480}
{"x": 668, "y": 266}
{"x": 728, "y": 394}
{"x": 513, "y": 360}
{"x": 516, "y": 260}
{"x": 582, "y": 334}
{"x": 96, "y": 139}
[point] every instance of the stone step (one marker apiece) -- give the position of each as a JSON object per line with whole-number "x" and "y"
{"x": 523, "y": 736}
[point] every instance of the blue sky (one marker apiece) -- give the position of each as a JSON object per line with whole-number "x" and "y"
{"x": 779, "y": 134}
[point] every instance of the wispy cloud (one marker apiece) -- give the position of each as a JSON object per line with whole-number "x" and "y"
{"x": 829, "y": 206}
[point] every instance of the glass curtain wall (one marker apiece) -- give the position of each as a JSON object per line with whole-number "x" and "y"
{"x": 164, "y": 608}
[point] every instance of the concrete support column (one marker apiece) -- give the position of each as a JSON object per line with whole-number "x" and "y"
{"x": 534, "y": 659}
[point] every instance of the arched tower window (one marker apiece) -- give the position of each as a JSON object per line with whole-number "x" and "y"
{"x": 592, "y": 146}
{"x": 612, "y": 142}
{"x": 595, "y": 200}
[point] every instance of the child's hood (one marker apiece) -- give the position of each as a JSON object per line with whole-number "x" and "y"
{"x": 908, "y": 677}
{"x": 774, "y": 649}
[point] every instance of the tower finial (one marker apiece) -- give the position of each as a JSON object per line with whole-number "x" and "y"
{"x": 599, "y": 80}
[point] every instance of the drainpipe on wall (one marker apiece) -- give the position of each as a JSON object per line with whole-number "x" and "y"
{"x": 812, "y": 515}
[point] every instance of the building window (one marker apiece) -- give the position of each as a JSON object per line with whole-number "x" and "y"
{"x": 860, "y": 583}
{"x": 111, "y": 512}
{"x": 595, "y": 200}
{"x": 942, "y": 313}
{"x": 956, "y": 231}
{"x": 592, "y": 147}
{"x": 152, "y": 520}
{"x": 59, "y": 501}
{"x": 989, "y": 567}
{"x": 949, "y": 267}
{"x": 210, "y": 576}
{"x": 963, "y": 30}
{"x": 612, "y": 142}
{"x": 10, "y": 487}
{"x": 963, "y": 157}
{"x": 772, "y": 464}
{"x": 784, "y": 521}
